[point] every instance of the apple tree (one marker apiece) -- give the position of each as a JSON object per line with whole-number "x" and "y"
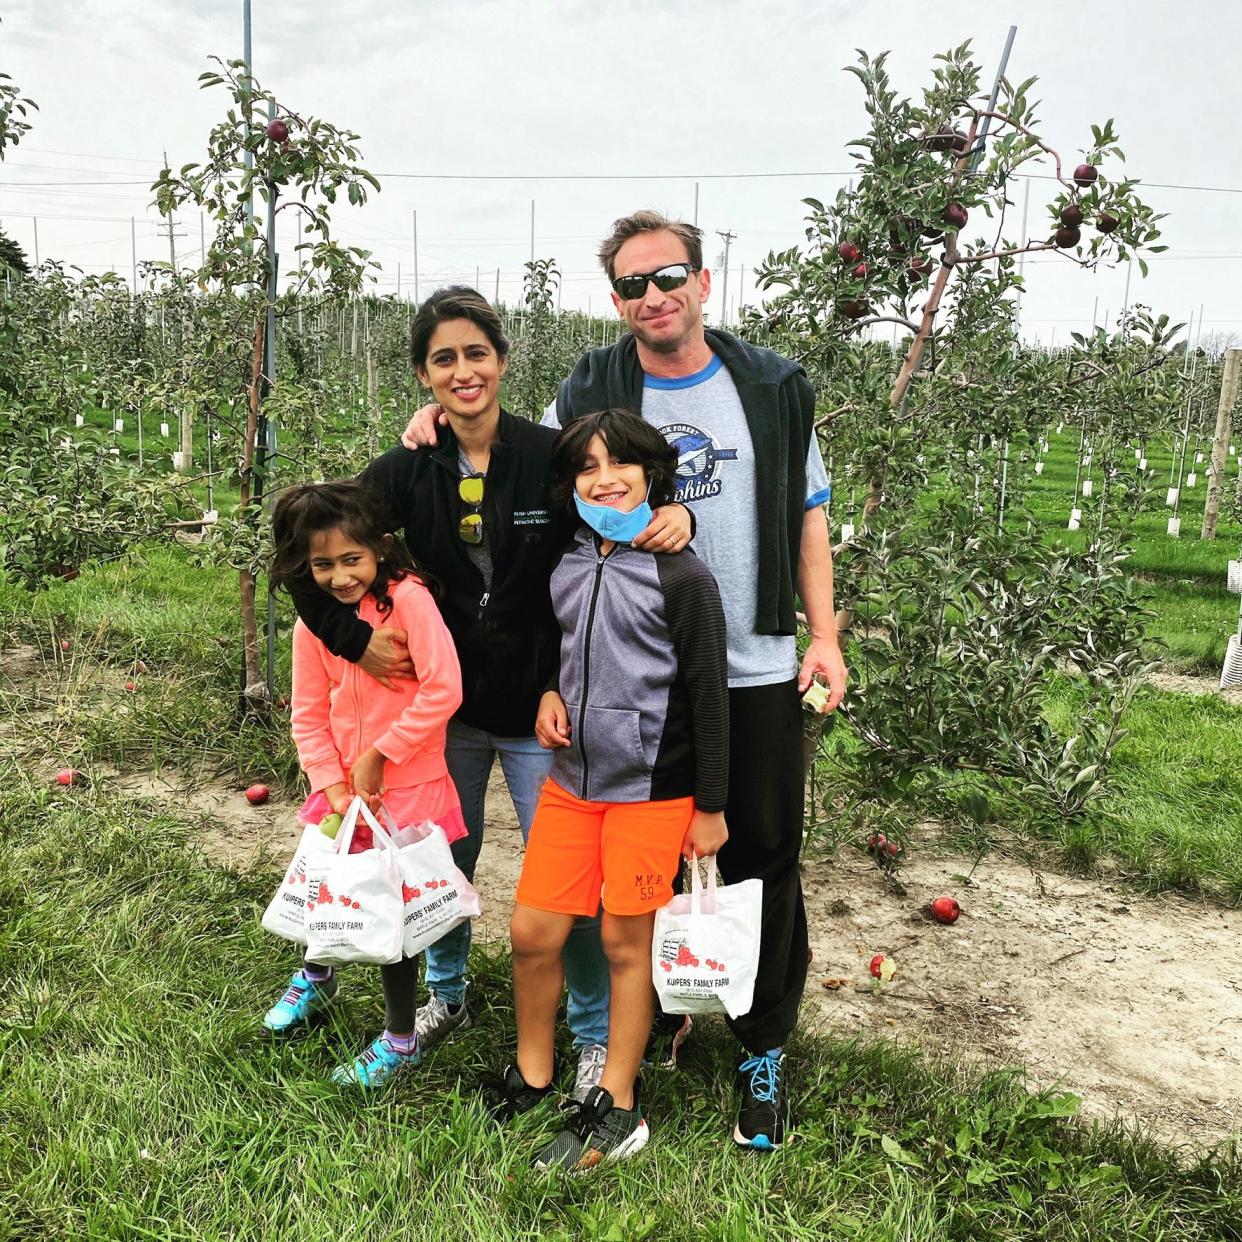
{"x": 964, "y": 609}
{"x": 299, "y": 165}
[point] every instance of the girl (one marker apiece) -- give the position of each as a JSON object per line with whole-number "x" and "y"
{"x": 354, "y": 738}
{"x": 638, "y": 725}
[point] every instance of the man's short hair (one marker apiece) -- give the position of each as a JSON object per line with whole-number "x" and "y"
{"x": 649, "y": 222}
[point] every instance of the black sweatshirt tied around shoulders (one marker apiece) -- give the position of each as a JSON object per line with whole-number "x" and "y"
{"x": 779, "y": 403}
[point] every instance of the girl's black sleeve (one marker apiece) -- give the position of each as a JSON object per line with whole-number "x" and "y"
{"x": 337, "y": 625}
{"x": 696, "y": 622}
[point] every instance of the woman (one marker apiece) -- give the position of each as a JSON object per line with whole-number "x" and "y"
{"x": 476, "y": 516}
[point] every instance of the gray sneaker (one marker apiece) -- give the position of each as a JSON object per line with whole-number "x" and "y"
{"x": 590, "y": 1066}
{"x": 435, "y": 1022}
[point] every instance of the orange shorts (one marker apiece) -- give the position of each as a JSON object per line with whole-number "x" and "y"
{"x": 628, "y": 852}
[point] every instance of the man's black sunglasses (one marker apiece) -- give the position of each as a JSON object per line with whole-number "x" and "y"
{"x": 666, "y": 280}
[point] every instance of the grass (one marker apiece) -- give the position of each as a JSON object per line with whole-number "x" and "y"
{"x": 138, "y": 1099}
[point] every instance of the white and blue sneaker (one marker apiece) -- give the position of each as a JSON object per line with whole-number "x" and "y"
{"x": 763, "y": 1114}
{"x": 305, "y": 1001}
{"x": 379, "y": 1065}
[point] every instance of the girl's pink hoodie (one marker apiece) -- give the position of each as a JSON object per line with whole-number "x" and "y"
{"x": 339, "y": 711}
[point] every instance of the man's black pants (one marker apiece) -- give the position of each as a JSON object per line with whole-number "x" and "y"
{"x": 764, "y": 814}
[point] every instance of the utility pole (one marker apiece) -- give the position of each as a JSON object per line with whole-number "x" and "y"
{"x": 1220, "y": 445}
{"x": 696, "y": 205}
{"x": 728, "y": 237}
{"x": 36, "y": 235}
{"x": 532, "y": 230}
{"x": 133, "y": 251}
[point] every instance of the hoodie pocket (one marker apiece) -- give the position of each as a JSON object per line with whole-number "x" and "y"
{"x": 615, "y": 766}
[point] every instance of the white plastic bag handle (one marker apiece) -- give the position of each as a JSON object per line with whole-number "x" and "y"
{"x": 345, "y": 837}
{"x": 696, "y": 886}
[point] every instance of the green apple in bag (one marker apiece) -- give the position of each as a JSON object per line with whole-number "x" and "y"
{"x": 330, "y": 825}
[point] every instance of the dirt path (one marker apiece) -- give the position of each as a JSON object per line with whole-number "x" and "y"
{"x": 1134, "y": 1004}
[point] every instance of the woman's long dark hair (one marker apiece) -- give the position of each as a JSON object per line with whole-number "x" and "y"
{"x": 629, "y": 440}
{"x": 360, "y": 514}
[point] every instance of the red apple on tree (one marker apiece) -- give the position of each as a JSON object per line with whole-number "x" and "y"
{"x": 855, "y": 308}
{"x": 277, "y": 130}
{"x": 1107, "y": 222}
{"x": 1071, "y": 215}
{"x": 860, "y": 271}
{"x": 955, "y": 215}
{"x": 848, "y": 252}
{"x": 1066, "y": 237}
{"x": 1085, "y": 174}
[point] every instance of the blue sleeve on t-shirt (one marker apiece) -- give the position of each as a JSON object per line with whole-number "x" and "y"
{"x": 818, "y": 489}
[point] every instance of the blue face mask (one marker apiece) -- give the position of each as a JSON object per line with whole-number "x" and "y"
{"x": 610, "y": 523}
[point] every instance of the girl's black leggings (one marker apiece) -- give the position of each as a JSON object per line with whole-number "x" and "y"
{"x": 399, "y": 981}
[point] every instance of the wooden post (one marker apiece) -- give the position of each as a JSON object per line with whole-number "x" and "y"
{"x": 1220, "y": 445}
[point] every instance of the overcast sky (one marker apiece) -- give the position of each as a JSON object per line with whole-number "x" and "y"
{"x": 652, "y": 95}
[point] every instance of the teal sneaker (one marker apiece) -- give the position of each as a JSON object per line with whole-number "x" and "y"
{"x": 305, "y": 1001}
{"x": 379, "y": 1065}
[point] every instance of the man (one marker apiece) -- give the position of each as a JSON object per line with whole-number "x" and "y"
{"x": 749, "y": 467}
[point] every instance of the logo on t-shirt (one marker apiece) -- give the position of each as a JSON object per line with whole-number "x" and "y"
{"x": 697, "y": 461}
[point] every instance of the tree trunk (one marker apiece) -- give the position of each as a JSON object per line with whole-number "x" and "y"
{"x": 1220, "y": 445}
{"x": 254, "y": 690}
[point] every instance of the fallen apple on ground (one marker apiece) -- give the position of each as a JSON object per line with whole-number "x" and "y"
{"x": 69, "y": 776}
{"x": 882, "y": 968}
{"x": 945, "y": 909}
{"x": 257, "y": 795}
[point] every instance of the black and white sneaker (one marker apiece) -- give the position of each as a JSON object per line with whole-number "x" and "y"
{"x": 510, "y": 1095}
{"x": 763, "y": 1114}
{"x": 668, "y": 1032}
{"x": 596, "y": 1130}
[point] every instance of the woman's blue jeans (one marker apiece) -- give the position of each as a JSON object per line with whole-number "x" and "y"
{"x": 470, "y": 753}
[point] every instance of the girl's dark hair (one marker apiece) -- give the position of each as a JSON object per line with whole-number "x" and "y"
{"x": 629, "y": 440}
{"x": 361, "y": 514}
{"x": 455, "y": 302}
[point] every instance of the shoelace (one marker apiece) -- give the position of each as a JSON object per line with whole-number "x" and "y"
{"x": 765, "y": 1075}
{"x": 294, "y": 994}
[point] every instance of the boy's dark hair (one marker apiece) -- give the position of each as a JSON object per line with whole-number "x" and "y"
{"x": 361, "y": 514}
{"x": 649, "y": 222}
{"x": 454, "y": 302}
{"x": 629, "y": 440}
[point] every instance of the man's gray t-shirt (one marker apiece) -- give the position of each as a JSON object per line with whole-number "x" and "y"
{"x": 701, "y": 415}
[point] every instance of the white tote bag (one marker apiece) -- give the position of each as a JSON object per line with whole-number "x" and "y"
{"x": 353, "y": 901}
{"x": 436, "y": 894}
{"x": 286, "y": 912}
{"x": 705, "y": 949}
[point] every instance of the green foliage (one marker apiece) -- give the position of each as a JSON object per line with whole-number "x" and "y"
{"x": 14, "y": 109}
{"x": 548, "y": 347}
{"x": 13, "y": 262}
{"x": 965, "y": 609}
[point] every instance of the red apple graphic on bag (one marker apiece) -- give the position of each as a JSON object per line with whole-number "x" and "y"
{"x": 407, "y": 893}
{"x": 664, "y": 965}
{"x": 684, "y": 956}
{"x": 325, "y": 897}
